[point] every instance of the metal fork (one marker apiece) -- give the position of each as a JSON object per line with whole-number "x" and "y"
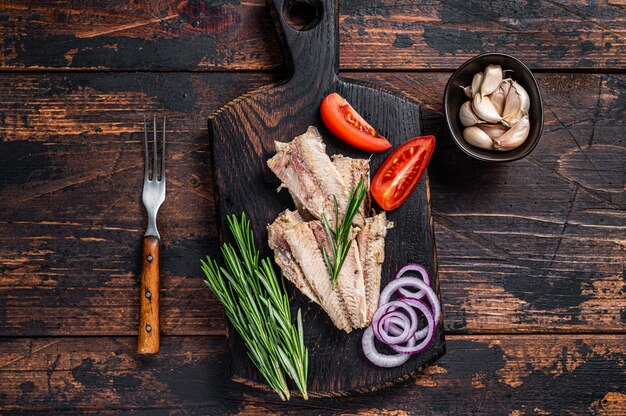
{"x": 152, "y": 197}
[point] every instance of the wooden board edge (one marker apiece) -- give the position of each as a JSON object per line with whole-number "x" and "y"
{"x": 385, "y": 90}
{"x": 347, "y": 393}
{"x": 213, "y": 116}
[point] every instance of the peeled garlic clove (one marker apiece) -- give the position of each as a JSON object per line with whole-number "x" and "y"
{"x": 512, "y": 111}
{"x": 523, "y": 94}
{"x": 515, "y": 136}
{"x": 491, "y": 79}
{"x": 494, "y": 131}
{"x": 476, "y": 137}
{"x": 498, "y": 97}
{"x": 484, "y": 109}
{"x": 468, "y": 91}
{"x": 476, "y": 82}
{"x": 506, "y": 85}
{"x": 467, "y": 116}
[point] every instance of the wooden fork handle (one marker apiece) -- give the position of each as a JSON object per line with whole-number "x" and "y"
{"x": 148, "y": 342}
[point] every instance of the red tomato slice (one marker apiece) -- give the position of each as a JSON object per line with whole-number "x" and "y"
{"x": 401, "y": 172}
{"x": 345, "y": 123}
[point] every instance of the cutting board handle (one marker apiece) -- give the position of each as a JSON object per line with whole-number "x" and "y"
{"x": 309, "y": 35}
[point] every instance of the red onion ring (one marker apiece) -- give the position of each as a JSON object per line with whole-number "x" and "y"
{"x": 385, "y": 295}
{"x": 391, "y": 327}
{"x": 393, "y": 308}
{"x": 379, "y": 359}
{"x": 416, "y": 349}
{"x": 383, "y": 311}
{"x": 396, "y": 322}
{"x": 402, "y": 326}
{"x": 413, "y": 267}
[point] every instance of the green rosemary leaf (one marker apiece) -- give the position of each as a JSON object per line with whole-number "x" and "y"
{"x": 256, "y": 303}
{"x": 340, "y": 240}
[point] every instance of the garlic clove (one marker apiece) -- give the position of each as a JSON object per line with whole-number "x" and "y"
{"x": 467, "y": 115}
{"x": 476, "y": 82}
{"x": 467, "y": 90}
{"x": 506, "y": 85}
{"x": 523, "y": 94}
{"x": 498, "y": 97}
{"x": 476, "y": 137}
{"x": 484, "y": 109}
{"x": 512, "y": 111}
{"x": 491, "y": 79}
{"x": 494, "y": 131}
{"x": 515, "y": 136}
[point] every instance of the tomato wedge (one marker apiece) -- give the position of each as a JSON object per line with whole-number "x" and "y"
{"x": 345, "y": 123}
{"x": 401, "y": 172}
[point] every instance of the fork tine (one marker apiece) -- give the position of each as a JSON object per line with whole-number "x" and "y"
{"x": 155, "y": 160}
{"x": 163, "y": 154}
{"x": 145, "y": 142}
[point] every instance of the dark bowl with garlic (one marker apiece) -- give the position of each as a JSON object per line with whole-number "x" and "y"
{"x": 493, "y": 108}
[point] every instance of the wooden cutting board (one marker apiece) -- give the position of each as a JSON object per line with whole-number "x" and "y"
{"x": 243, "y": 134}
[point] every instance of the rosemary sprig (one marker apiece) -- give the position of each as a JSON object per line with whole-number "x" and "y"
{"x": 256, "y": 304}
{"x": 340, "y": 241}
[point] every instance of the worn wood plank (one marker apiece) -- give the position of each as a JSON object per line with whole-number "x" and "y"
{"x": 535, "y": 245}
{"x": 137, "y": 35}
{"x": 375, "y": 34}
{"x": 71, "y": 161}
{"x": 498, "y": 375}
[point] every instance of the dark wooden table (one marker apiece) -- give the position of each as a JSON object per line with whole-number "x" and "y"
{"x": 531, "y": 254}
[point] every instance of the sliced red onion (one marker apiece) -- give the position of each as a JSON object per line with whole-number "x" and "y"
{"x": 415, "y": 282}
{"x": 425, "y": 343}
{"x": 387, "y": 323}
{"x": 386, "y": 310}
{"x": 393, "y": 329}
{"x": 403, "y": 272}
{"x": 396, "y": 322}
{"x": 401, "y": 322}
{"x": 382, "y": 360}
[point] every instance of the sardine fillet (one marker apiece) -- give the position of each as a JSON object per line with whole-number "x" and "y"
{"x": 283, "y": 255}
{"x": 298, "y": 238}
{"x": 305, "y": 250}
{"x": 352, "y": 170}
{"x": 371, "y": 243}
{"x": 305, "y": 169}
{"x": 350, "y": 283}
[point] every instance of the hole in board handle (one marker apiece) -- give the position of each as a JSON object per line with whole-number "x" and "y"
{"x": 303, "y": 15}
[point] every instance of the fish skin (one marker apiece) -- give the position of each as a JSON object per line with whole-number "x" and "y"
{"x": 303, "y": 166}
{"x": 305, "y": 250}
{"x": 350, "y": 282}
{"x": 371, "y": 243}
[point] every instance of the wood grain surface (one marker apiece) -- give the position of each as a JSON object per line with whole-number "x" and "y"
{"x": 375, "y": 34}
{"x": 531, "y": 254}
{"x": 515, "y": 254}
{"x": 486, "y": 374}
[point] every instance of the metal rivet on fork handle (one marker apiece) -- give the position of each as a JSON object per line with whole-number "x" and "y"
{"x": 148, "y": 327}
{"x": 149, "y": 257}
